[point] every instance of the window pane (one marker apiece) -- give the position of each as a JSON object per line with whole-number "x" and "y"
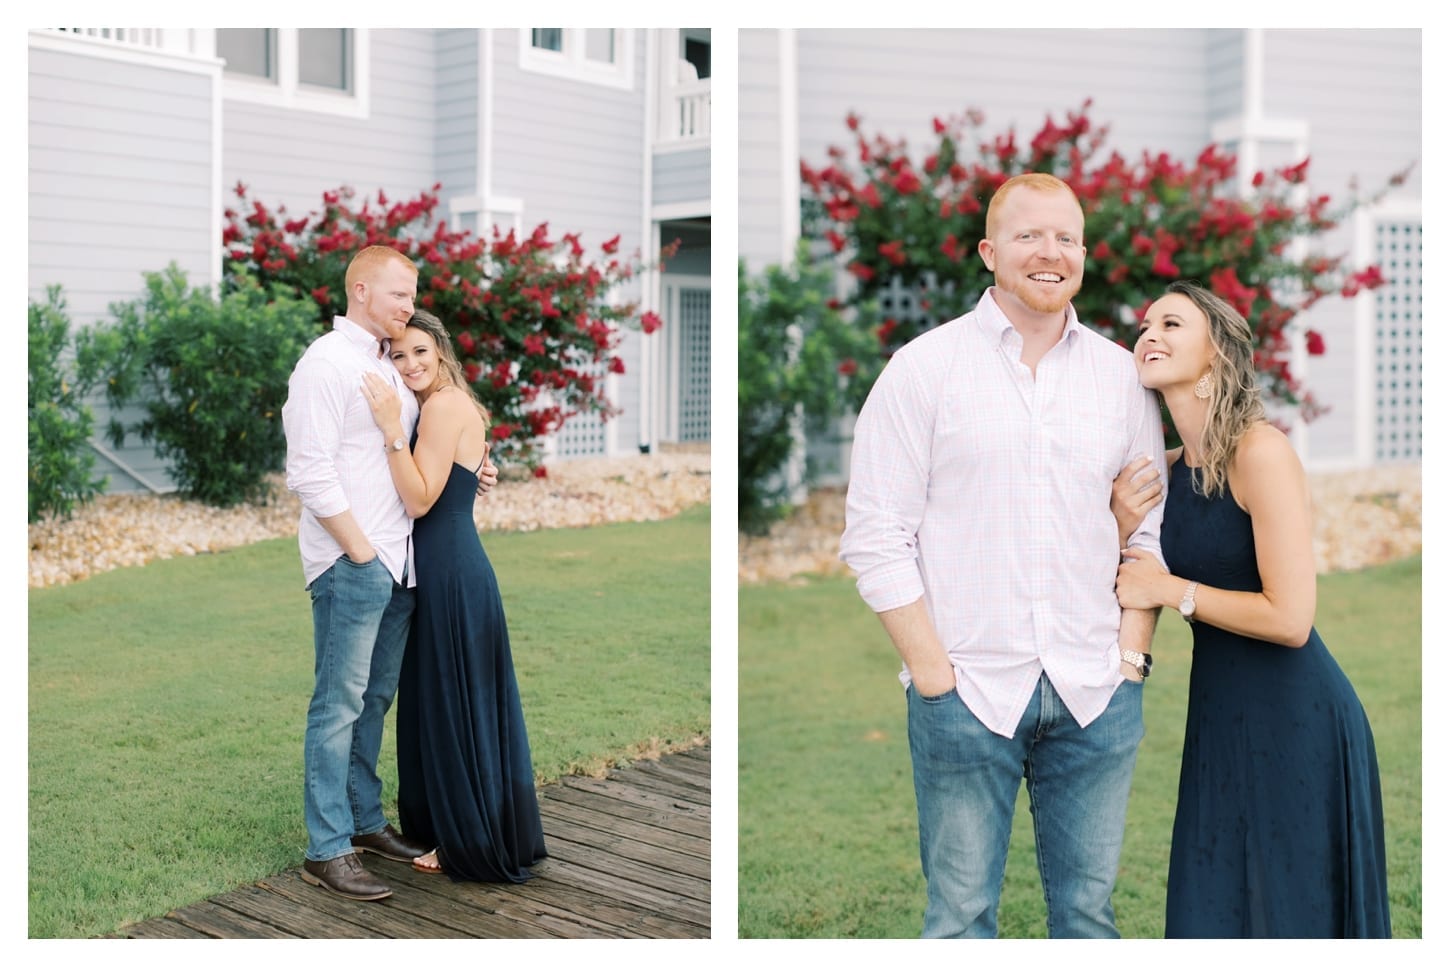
{"x": 549, "y": 38}
{"x": 323, "y": 57}
{"x": 599, "y": 44}
{"x": 697, "y": 50}
{"x": 247, "y": 50}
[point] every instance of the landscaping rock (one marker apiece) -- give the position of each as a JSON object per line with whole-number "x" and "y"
{"x": 1361, "y": 518}
{"x": 129, "y": 530}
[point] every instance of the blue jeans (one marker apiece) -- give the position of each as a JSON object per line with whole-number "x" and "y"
{"x": 966, "y": 779}
{"x": 360, "y": 619}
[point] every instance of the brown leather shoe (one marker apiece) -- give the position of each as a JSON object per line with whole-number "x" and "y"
{"x": 345, "y": 876}
{"x": 389, "y": 844}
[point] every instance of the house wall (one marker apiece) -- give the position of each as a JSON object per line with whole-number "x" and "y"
{"x": 291, "y": 156}
{"x": 572, "y": 151}
{"x": 457, "y": 110}
{"x": 1364, "y": 125}
{"x": 121, "y": 177}
{"x": 682, "y": 177}
{"x": 120, "y": 173}
{"x": 759, "y": 107}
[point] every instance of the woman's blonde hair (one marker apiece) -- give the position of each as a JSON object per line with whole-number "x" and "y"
{"x": 1234, "y": 400}
{"x": 450, "y": 370}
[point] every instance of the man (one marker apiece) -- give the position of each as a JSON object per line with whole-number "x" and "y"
{"x": 354, "y": 538}
{"x": 978, "y": 524}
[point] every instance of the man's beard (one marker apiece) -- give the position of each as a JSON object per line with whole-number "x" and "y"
{"x": 1039, "y": 301}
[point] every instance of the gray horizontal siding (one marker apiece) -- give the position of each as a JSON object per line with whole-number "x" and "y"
{"x": 759, "y": 155}
{"x": 455, "y": 142}
{"x": 291, "y": 156}
{"x": 119, "y": 176}
{"x": 682, "y": 176}
{"x": 1364, "y": 125}
{"x": 1145, "y": 84}
{"x": 573, "y": 152}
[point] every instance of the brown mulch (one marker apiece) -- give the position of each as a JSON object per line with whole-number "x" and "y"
{"x": 128, "y": 530}
{"x": 1361, "y": 518}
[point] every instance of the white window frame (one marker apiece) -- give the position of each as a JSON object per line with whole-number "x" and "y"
{"x": 287, "y": 92}
{"x": 571, "y": 62}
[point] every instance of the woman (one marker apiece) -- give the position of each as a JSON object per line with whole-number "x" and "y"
{"x": 1279, "y": 830}
{"x": 465, "y": 776}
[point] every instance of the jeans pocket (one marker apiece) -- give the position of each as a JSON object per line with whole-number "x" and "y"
{"x": 941, "y": 699}
{"x": 344, "y": 559}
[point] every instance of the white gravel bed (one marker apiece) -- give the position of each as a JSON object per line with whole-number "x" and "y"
{"x": 129, "y": 530}
{"x": 1361, "y": 518}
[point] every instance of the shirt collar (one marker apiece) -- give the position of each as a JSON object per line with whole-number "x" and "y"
{"x": 358, "y": 336}
{"x": 995, "y": 324}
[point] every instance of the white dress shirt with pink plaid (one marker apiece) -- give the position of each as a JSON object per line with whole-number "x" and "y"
{"x": 336, "y": 459}
{"x": 987, "y": 491}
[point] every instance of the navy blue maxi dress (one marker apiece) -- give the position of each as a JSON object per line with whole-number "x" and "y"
{"x": 1280, "y": 829}
{"x": 465, "y": 775}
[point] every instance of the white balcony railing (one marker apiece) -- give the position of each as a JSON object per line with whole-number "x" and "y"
{"x": 173, "y": 40}
{"x": 689, "y": 118}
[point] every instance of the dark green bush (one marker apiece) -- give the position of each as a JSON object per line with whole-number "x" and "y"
{"x": 211, "y": 378}
{"x": 798, "y": 359}
{"x": 61, "y": 460}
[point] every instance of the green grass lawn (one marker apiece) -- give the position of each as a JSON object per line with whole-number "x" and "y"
{"x": 828, "y": 844}
{"x": 167, "y": 704}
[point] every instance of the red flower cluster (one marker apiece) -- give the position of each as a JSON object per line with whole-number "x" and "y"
{"x": 899, "y": 222}
{"x": 515, "y": 304}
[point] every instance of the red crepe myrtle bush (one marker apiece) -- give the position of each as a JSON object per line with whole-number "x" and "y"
{"x": 917, "y": 221}
{"x": 532, "y": 318}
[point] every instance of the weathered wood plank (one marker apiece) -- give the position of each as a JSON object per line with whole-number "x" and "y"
{"x": 215, "y": 920}
{"x": 630, "y": 829}
{"x": 643, "y": 852}
{"x": 686, "y": 824}
{"x": 623, "y": 868}
{"x": 663, "y": 787}
{"x": 544, "y": 896}
{"x": 472, "y": 908}
{"x": 643, "y": 797}
{"x": 161, "y": 928}
{"x": 629, "y": 857}
{"x": 298, "y": 919}
{"x": 375, "y": 918}
{"x": 664, "y": 902}
{"x": 673, "y": 774}
{"x": 697, "y": 759}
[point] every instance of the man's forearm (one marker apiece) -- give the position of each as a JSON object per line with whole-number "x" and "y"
{"x": 350, "y": 537}
{"x": 1135, "y": 631}
{"x": 917, "y": 643}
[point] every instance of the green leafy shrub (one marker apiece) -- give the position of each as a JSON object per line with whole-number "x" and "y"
{"x": 534, "y": 319}
{"x": 61, "y": 460}
{"x": 211, "y": 378}
{"x": 798, "y": 367}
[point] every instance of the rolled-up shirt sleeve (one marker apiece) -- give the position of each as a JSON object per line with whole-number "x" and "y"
{"x": 886, "y": 494}
{"x": 1148, "y": 441}
{"x": 312, "y": 419}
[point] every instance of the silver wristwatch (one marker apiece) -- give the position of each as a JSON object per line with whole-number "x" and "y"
{"x": 396, "y": 445}
{"x": 1140, "y": 661}
{"x": 1187, "y": 606}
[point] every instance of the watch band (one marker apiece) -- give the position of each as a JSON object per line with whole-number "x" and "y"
{"x": 1139, "y": 660}
{"x": 1188, "y": 606}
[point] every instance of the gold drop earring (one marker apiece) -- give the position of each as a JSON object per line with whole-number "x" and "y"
{"x": 1202, "y": 387}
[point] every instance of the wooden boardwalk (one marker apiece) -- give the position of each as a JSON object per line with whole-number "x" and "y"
{"x": 629, "y": 856}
